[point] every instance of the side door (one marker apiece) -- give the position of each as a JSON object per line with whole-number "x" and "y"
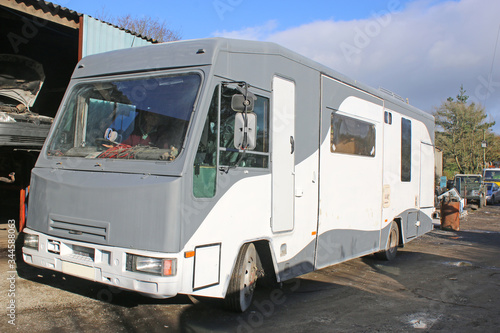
{"x": 350, "y": 182}
{"x": 283, "y": 155}
{"x": 426, "y": 189}
{"x": 426, "y": 175}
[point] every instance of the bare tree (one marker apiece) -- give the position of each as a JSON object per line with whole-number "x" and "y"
{"x": 146, "y": 26}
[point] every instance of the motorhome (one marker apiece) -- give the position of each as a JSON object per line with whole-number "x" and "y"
{"x": 198, "y": 167}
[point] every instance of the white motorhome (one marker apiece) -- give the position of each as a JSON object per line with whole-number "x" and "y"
{"x": 197, "y": 167}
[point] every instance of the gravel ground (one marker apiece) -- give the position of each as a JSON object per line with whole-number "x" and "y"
{"x": 444, "y": 281}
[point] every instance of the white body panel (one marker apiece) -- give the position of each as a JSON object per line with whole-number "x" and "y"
{"x": 345, "y": 177}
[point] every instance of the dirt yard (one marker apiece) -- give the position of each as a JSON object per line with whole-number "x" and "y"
{"x": 445, "y": 281}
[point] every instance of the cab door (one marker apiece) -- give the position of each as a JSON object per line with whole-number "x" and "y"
{"x": 283, "y": 155}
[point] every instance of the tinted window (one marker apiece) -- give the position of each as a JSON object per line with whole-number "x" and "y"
{"x": 405, "y": 150}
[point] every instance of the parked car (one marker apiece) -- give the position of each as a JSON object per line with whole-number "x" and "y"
{"x": 471, "y": 187}
{"x": 492, "y": 193}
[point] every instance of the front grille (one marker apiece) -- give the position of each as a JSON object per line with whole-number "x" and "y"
{"x": 82, "y": 230}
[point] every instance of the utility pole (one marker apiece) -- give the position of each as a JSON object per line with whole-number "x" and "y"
{"x": 484, "y": 145}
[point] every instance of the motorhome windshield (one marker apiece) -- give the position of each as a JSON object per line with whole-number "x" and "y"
{"x": 141, "y": 118}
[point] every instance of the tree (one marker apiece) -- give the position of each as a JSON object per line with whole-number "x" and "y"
{"x": 146, "y": 26}
{"x": 460, "y": 130}
{"x": 493, "y": 150}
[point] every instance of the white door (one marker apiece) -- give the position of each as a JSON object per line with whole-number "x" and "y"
{"x": 283, "y": 154}
{"x": 426, "y": 175}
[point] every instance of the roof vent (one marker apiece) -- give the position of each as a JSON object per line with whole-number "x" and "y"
{"x": 200, "y": 51}
{"x": 390, "y": 93}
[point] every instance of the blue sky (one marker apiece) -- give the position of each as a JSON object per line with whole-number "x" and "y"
{"x": 422, "y": 50}
{"x": 203, "y": 18}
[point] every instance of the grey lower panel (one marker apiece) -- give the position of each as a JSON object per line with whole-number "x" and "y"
{"x": 339, "y": 245}
{"x": 334, "y": 246}
{"x": 410, "y": 230}
{"x": 426, "y": 224}
{"x": 302, "y": 263}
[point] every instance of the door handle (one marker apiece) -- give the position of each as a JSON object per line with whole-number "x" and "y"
{"x": 292, "y": 145}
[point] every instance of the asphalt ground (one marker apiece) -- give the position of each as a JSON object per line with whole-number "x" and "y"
{"x": 446, "y": 281}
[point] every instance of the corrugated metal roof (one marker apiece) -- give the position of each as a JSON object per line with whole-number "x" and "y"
{"x": 71, "y": 15}
{"x": 100, "y": 37}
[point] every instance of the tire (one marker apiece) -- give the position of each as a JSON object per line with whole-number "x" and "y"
{"x": 391, "y": 248}
{"x": 243, "y": 280}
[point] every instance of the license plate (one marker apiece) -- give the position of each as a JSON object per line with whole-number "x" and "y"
{"x": 82, "y": 271}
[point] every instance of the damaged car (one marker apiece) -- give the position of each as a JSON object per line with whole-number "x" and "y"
{"x": 21, "y": 80}
{"x": 22, "y": 131}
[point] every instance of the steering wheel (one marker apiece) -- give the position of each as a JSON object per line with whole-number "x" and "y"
{"x": 105, "y": 142}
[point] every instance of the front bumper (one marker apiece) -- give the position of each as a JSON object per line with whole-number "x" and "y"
{"x": 99, "y": 263}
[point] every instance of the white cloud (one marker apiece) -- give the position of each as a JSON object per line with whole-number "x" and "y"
{"x": 424, "y": 51}
{"x": 250, "y": 33}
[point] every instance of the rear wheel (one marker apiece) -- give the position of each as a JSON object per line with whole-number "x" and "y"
{"x": 391, "y": 248}
{"x": 243, "y": 280}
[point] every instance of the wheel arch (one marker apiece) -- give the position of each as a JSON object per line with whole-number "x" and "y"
{"x": 266, "y": 263}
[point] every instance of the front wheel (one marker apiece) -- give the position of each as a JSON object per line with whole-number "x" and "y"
{"x": 391, "y": 248}
{"x": 243, "y": 280}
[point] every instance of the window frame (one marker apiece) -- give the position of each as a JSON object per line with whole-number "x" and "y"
{"x": 215, "y": 166}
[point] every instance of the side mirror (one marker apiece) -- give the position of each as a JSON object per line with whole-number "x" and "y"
{"x": 245, "y": 137}
{"x": 238, "y": 102}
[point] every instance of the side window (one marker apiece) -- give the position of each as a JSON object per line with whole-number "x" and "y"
{"x": 388, "y": 117}
{"x": 228, "y": 154}
{"x": 352, "y": 136}
{"x": 405, "y": 150}
{"x": 205, "y": 163}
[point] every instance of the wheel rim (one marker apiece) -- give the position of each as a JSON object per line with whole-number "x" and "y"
{"x": 248, "y": 278}
{"x": 393, "y": 239}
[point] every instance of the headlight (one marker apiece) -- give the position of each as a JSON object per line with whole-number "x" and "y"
{"x": 31, "y": 241}
{"x": 5, "y": 118}
{"x": 155, "y": 266}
